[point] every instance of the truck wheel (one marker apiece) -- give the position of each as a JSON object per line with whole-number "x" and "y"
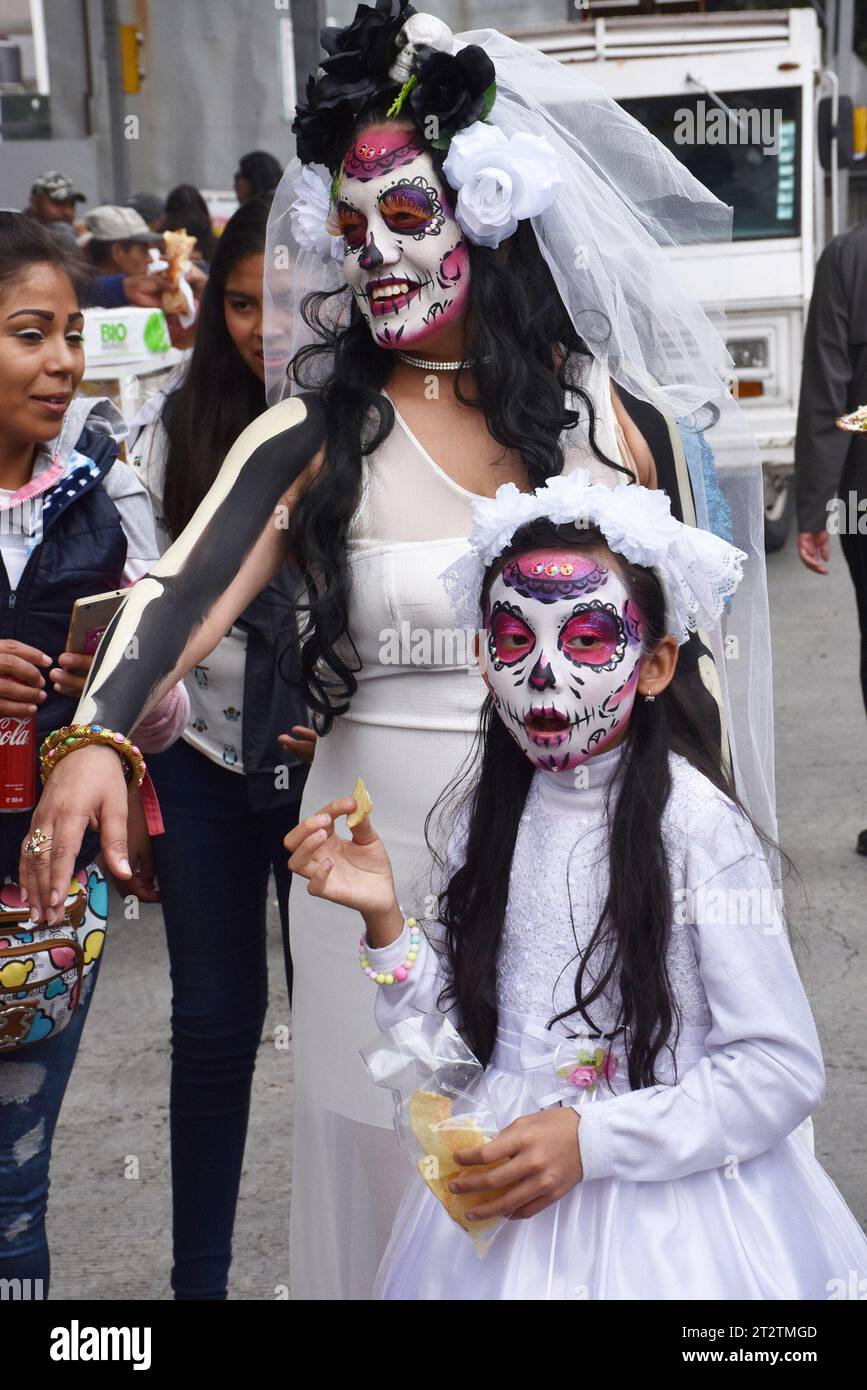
{"x": 779, "y": 514}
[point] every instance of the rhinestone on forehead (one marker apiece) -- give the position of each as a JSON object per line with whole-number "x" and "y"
{"x": 368, "y": 151}
{"x": 553, "y": 569}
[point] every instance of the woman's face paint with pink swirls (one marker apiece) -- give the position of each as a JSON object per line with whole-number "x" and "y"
{"x": 563, "y": 654}
{"x": 405, "y": 257}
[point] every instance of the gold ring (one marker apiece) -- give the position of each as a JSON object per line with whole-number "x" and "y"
{"x": 37, "y": 842}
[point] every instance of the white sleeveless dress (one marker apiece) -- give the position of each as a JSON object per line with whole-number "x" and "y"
{"x": 409, "y": 728}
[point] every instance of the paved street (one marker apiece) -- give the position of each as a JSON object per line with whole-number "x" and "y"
{"x": 110, "y": 1233}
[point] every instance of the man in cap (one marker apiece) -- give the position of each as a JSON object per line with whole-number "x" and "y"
{"x": 116, "y": 243}
{"x": 118, "y": 240}
{"x": 53, "y": 198}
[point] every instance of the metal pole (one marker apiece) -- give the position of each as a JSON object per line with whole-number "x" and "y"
{"x": 844, "y": 65}
{"x": 40, "y": 50}
{"x": 115, "y": 132}
{"x": 308, "y": 17}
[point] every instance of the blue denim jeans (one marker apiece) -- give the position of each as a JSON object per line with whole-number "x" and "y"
{"x": 33, "y": 1082}
{"x": 213, "y": 866}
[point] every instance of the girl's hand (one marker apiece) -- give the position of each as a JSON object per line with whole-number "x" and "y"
{"x": 544, "y": 1162}
{"x": 21, "y": 680}
{"x": 355, "y": 873}
{"x": 142, "y": 885}
{"x": 86, "y": 789}
{"x": 70, "y": 673}
{"x": 301, "y": 743}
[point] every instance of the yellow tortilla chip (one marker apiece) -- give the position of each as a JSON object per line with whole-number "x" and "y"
{"x": 363, "y": 805}
{"x": 438, "y": 1165}
{"x": 427, "y": 1109}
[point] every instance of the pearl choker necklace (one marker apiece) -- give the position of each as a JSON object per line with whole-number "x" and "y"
{"x": 426, "y": 364}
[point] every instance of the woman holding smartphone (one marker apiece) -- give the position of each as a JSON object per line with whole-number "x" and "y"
{"x": 75, "y": 521}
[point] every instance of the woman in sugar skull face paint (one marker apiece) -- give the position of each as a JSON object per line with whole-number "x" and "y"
{"x": 375, "y": 465}
{"x": 423, "y": 294}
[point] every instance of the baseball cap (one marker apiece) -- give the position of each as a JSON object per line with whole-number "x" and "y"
{"x": 58, "y": 187}
{"x": 109, "y": 223}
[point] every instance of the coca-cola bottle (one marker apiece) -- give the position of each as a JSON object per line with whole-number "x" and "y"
{"x": 17, "y": 762}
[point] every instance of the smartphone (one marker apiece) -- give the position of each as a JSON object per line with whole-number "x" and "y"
{"x": 90, "y": 617}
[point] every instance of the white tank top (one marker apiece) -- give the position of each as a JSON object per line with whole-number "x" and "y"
{"x": 412, "y": 522}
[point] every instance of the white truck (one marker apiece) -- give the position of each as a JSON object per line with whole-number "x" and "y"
{"x": 679, "y": 74}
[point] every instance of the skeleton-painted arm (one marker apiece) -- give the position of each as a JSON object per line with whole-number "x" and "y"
{"x": 234, "y": 543}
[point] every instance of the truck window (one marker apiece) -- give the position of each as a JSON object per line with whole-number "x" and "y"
{"x": 763, "y": 188}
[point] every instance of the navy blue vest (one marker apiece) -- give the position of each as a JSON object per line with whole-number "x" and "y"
{"x": 83, "y": 551}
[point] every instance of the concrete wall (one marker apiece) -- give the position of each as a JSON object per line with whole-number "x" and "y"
{"x": 22, "y": 161}
{"x": 210, "y": 91}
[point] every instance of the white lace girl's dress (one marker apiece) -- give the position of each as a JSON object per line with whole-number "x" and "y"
{"x": 409, "y": 728}
{"x": 693, "y": 1189}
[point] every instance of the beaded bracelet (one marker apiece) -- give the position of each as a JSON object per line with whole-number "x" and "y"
{"x": 64, "y": 741}
{"x": 397, "y": 976}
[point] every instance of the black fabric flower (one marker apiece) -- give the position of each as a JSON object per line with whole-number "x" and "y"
{"x": 355, "y": 71}
{"x": 456, "y": 89}
{"x": 324, "y": 119}
{"x": 365, "y": 48}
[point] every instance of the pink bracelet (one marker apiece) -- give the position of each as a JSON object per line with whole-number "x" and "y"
{"x": 396, "y": 977}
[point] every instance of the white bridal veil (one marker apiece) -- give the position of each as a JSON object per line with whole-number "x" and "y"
{"x": 625, "y": 201}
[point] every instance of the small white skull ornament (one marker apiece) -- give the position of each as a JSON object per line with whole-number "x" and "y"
{"x": 422, "y": 34}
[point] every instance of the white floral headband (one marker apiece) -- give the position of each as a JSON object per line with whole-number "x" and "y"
{"x": 698, "y": 571}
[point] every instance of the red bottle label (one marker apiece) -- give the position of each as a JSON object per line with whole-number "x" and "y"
{"x": 17, "y": 762}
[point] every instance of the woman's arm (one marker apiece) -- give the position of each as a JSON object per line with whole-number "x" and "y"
{"x": 764, "y": 1074}
{"x": 169, "y": 622}
{"x": 637, "y": 447}
{"x": 234, "y": 543}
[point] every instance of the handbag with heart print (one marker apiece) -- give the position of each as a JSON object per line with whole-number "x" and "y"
{"x": 42, "y": 970}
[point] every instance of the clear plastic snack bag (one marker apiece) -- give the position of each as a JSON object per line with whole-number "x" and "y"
{"x": 441, "y": 1105}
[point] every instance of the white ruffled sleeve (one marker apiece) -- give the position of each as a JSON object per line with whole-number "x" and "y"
{"x": 418, "y": 993}
{"x": 764, "y": 1073}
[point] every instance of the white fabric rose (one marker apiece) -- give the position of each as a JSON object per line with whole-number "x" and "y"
{"x": 697, "y": 569}
{"x": 308, "y": 215}
{"x": 500, "y": 181}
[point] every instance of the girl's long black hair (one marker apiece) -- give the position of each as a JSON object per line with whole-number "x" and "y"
{"x": 527, "y": 354}
{"x": 632, "y": 933}
{"x": 219, "y": 395}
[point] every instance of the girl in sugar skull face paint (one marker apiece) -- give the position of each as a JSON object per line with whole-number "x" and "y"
{"x": 634, "y": 1037}
{"x": 563, "y": 654}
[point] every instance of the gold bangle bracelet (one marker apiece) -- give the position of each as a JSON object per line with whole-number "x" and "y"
{"x": 64, "y": 741}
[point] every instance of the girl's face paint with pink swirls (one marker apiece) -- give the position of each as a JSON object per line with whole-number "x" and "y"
{"x": 563, "y": 654}
{"x": 405, "y": 257}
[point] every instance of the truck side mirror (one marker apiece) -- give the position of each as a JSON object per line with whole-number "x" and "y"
{"x": 825, "y": 133}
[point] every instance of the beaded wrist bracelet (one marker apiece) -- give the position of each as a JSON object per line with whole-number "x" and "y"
{"x": 397, "y": 976}
{"x": 64, "y": 741}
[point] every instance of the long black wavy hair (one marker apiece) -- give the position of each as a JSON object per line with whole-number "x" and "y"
{"x": 527, "y": 355}
{"x": 633, "y": 930}
{"x": 219, "y": 395}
